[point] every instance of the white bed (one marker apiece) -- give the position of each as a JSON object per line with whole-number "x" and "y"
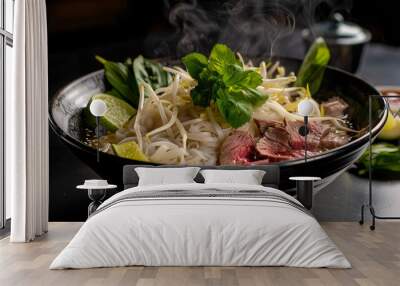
{"x": 201, "y": 224}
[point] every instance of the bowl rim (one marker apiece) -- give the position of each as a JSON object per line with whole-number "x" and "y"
{"x": 326, "y": 154}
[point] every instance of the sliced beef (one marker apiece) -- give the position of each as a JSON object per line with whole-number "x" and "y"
{"x": 237, "y": 149}
{"x": 279, "y": 135}
{"x": 280, "y": 141}
{"x": 272, "y": 151}
{"x": 334, "y": 107}
{"x": 333, "y": 140}
{"x": 283, "y": 142}
{"x": 264, "y": 124}
{"x": 316, "y": 130}
{"x": 275, "y": 143}
{"x": 270, "y": 148}
{"x": 275, "y": 151}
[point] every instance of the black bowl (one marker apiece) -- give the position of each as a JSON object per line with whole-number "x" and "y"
{"x": 67, "y": 104}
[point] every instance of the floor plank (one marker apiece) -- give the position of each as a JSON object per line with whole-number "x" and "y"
{"x": 375, "y": 257}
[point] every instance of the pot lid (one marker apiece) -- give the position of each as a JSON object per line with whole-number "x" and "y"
{"x": 338, "y": 31}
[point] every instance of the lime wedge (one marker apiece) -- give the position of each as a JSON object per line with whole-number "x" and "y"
{"x": 129, "y": 150}
{"x": 118, "y": 111}
{"x": 391, "y": 130}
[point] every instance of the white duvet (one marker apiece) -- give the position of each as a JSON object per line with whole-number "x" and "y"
{"x": 200, "y": 231}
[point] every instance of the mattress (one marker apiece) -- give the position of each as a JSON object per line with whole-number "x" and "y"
{"x": 201, "y": 225}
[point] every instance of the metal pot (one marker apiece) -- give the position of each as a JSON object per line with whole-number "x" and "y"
{"x": 65, "y": 115}
{"x": 345, "y": 40}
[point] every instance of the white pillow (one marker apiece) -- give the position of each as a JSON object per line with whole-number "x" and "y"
{"x": 164, "y": 176}
{"x": 248, "y": 177}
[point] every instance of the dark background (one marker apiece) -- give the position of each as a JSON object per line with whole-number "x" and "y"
{"x": 79, "y": 29}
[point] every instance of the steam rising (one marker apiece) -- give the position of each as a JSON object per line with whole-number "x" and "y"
{"x": 194, "y": 25}
{"x": 252, "y": 27}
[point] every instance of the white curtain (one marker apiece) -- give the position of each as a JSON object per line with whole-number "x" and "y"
{"x": 27, "y": 124}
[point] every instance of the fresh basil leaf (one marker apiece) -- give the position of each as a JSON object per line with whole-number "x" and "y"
{"x": 220, "y": 57}
{"x": 313, "y": 67}
{"x": 223, "y": 81}
{"x": 150, "y": 72}
{"x": 209, "y": 76}
{"x": 195, "y": 63}
{"x": 201, "y": 95}
{"x": 235, "y": 76}
{"x": 235, "y": 112}
{"x": 252, "y": 80}
{"x": 250, "y": 95}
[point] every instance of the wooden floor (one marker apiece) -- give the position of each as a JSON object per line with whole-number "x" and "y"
{"x": 375, "y": 257}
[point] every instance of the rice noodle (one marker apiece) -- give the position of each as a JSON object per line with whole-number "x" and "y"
{"x": 217, "y": 128}
{"x": 184, "y": 137}
{"x": 193, "y": 121}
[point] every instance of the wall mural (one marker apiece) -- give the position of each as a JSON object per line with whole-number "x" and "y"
{"x": 180, "y": 89}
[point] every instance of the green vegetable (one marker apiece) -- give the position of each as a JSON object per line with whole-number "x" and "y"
{"x": 126, "y": 77}
{"x": 313, "y": 67}
{"x": 122, "y": 80}
{"x": 235, "y": 112}
{"x": 221, "y": 80}
{"x": 195, "y": 63}
{"x": 118, "y": 112}
{"x": 151, "y": 73}
{"x": 221, "y": 57}
{"x": 385, "y": 157}
{"x": 115, "y": 93}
